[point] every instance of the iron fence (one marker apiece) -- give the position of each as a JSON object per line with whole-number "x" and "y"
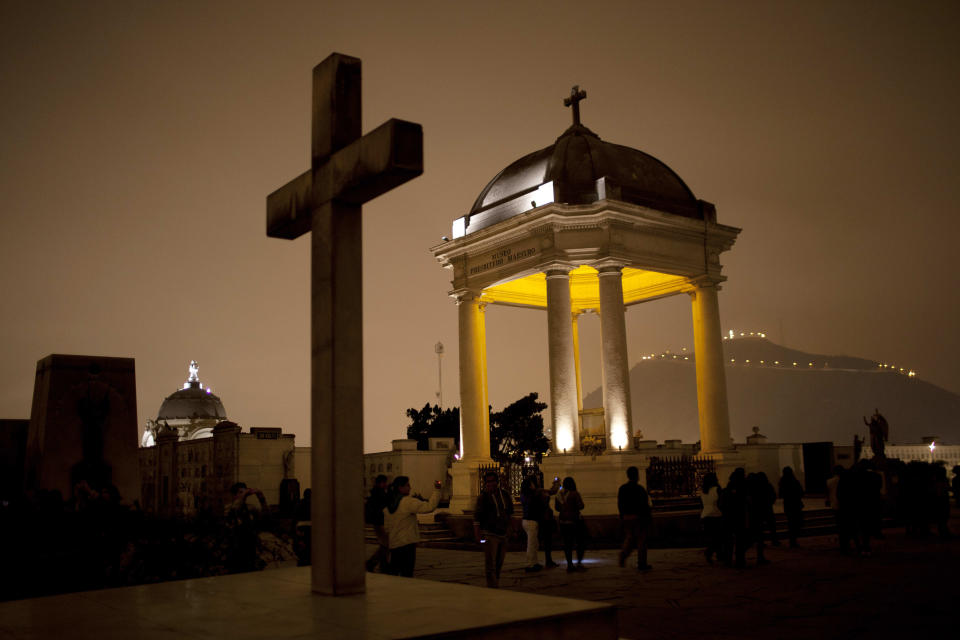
{"x": 676, "y": 476}
{"x": 511, "y": 475}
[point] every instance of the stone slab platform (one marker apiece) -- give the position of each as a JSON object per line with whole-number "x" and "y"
{"x": 278, "y": 604}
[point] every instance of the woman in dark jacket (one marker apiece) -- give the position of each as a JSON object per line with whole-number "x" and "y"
{"x": 569, "y": 504}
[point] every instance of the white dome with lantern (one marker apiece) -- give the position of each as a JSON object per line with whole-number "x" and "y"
{"x": 192, "y": 411}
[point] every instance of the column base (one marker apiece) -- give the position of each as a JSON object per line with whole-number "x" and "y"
{"x": 726, "y": 462}
{"x": 466, "y": 484}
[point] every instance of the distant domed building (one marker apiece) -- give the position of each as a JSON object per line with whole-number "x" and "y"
{"x": 192, "y": 412}
{"x": 191, "y": 455}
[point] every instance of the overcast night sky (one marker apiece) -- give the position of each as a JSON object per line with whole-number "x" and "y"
{"x": 139, "y": 140}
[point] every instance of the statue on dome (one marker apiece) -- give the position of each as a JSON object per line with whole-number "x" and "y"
{"x": 149, "y": 434}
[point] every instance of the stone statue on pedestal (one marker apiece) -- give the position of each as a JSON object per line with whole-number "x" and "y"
{"x": 879, "y": 432}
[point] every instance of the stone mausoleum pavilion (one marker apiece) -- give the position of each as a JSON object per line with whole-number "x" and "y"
{"x": 585, "y": 225}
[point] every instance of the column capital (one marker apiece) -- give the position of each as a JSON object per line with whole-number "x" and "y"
{"x": 557, "y": 270}
{"x": 608, "y": 266}
{"x": 610, "y": 270}
{"x": 705, "y": 281}
{"x": 465, "y": 295}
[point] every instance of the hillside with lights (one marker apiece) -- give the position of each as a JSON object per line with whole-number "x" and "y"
{"x": 793, "y": 396}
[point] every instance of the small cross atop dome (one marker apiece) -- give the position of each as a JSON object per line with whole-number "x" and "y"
{"x": 576, "y": 95}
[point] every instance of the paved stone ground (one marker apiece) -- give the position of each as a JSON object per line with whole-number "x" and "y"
{"x": 907, "y": 588}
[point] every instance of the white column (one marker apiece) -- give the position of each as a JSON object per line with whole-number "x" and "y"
{"x": 711, "y": 378}
{"x": 474, "y": 416}
{"x": 616, "y": 372}
{"x": 563, "y": 377}
{"x": 574, "y": 326}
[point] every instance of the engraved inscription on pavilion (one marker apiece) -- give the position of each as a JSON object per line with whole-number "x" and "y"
{"x": 500, "y": 258}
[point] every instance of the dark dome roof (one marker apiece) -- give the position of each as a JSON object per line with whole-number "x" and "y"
{"x": 192, "y": 402}
{"x": 576, "y": 161}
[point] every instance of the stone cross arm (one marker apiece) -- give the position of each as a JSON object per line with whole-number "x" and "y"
{"x": 386, "y": 157}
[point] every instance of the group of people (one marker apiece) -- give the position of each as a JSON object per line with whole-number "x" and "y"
{"x": 740, "y": 515}
{"x": 393, "y": 514}
{"x": 491, "y": 521}
{"x": 735, "y": 518}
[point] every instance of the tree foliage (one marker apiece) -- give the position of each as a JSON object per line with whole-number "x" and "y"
{"x": 433, "y": 422}
{"x": 517, "y": 431}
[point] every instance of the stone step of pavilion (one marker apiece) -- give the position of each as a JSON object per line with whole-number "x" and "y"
{"x": 665, "y": 505}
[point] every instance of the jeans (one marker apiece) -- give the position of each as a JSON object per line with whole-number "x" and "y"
{"x": 574, "y": 535}
{"x": 634, "y": 537}
{"x": 530, "y": 527}
{"x": 494, "y": 553}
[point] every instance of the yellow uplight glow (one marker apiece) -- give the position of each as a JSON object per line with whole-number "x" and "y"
{"x": 531, "y": 290}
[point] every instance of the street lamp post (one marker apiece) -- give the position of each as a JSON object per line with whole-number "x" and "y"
{"x": 438, "y": 349}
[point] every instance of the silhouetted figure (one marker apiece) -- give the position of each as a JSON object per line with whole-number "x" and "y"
{"x": 373, "y": 516}
{"x": 865, "y": 501}
{"x": 791, "y": 492}
{"x": 491, "y": 524}
{"x": 760, "y": 499}
{"x": 569, "y": 504}
{"x": 243, "y": 513}
{"x": 711, "y": 518}
{"x": 941, "y": 501}
{"x": 633, "y": 503}
{"x": 547, "y": 523}
{"x": 955, "y": 484}
{"x": 534, "y": 500}
{"x": 733, "y": 504}
{"x": 301, "y": 544}
{"x": 879, "y": 432}
{"x": 857, "y": 447}
{"x": 402, "y": 527}
{"x": 841, "y": 518}
{"x": 768, "y": 497}
{"x": 850, "y": 496}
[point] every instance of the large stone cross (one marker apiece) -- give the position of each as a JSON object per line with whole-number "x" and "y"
{"x": 346, "y": 171}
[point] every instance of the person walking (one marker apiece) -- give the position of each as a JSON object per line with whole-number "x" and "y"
{"x": 569, "y": 504}
{"x": 491, "y": 523}
{"x": 711, "y": 518}
{"x": 791, "y": 492}
{"x": 401, "y": 525}
{"x": 373, "y": 516}
{"x": 633, "y": 503}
